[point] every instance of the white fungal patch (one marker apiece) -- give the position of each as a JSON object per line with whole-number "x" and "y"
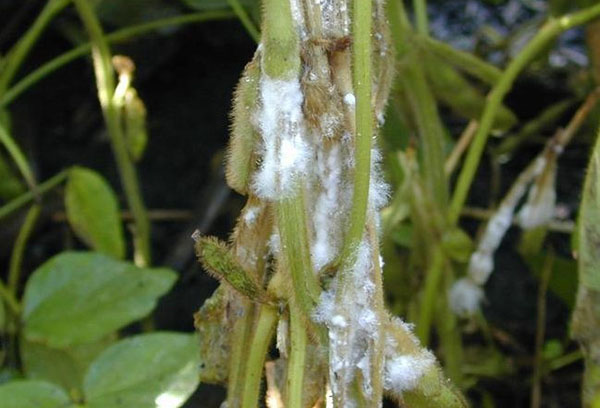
{"x": 326, "y": 221}
{"x": 286, "y": 154}
{"x": 379, "y": 190}
{"x": 465, "y": 297}
{"x": 541, "y": 202}
{"x": 481, "y": 265}
{"x": 349, "y": 99}
{"x": 403, "y": 373}
{"x": 251, "y": 215}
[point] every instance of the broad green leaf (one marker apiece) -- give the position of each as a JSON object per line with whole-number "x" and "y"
{"x": 148, "y": 370}
{"x": 32, "y": 394}
{"x": 80, "y": 297}
{"x": 563, "y": 279}
{"x": 93, "y": 212}
{"x": 64, "y": 367}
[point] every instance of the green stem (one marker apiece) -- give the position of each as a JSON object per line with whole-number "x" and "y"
{"x": 20, "y": 50}
{"x": 422, "y": 22}
{"x": 291, "y": 215}
{"x": 118, "y": 36}
{"x": 16, "y": 258}
{"x": 105, "y": 80}
{"x": 265, "y": 327}
{"x": 464, "y": 60}
{"x": 241, "y": 336}
{"x": 430, "y": 295}
{"x": 245, "y": 19}
{"x": 25, "y": 198}
{"x": 364, "y": 132}
{"x": 549, "y": 31}
{"x": 295, "y": 371}
{"x": 9, "y": 299}
{"x": 18, "y": 157}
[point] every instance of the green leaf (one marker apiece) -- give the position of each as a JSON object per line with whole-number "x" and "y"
{"x": 158, "y": 369}
{"x": 80, "y": 297}
{"x": 64, "y": 367}
{"x": 563, "y": 279}
{"x": 32, "y": 394}
{"x": 93, "y": 212}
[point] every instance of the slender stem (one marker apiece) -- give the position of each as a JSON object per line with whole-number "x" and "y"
{"x": 536, "y": 389}
{"x": 464, "y": 60}
{"x": 547, "y": 33}
{"x": 16, "y": 258}
{"x": 265, "y": 327}
{"x": 20, "y": 50}
{"x": 296, "y": 363}
{"x": 25, "y": 198}
{"x": 463, "y": 142}
{"x": 118, "y": 36}
{"x": 422, "y": 22}
{"x": 18, "y": 157}
{"x": 9, "y": 299}
{"x": 364, "y": 130}
{"x": 564, "y": 361}
{"x": 105, "y": 80}
{"x": 241, "y": 14}
{"x": 432, "y": 283}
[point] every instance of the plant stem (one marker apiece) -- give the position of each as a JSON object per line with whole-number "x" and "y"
{"x": 536, "y": 389}
{"x": 18, "y": 157}
{"x": 245, "y": 19}
{"x": 105, "y": 80}
{"x": 547, "y": 33}
{"x": 263, "y": 333}
{"x": 464, "y": 60}
{"x": 241, "y": 336}
{"x": 9, "y": 299}
{"x": 118, "y": 36}
{"x": 364, "y": 131}
{"x": 291, "y": 215}
{"x": 432, "y": 283}
{"x": 25, "y": 198}
{"x": 16, "y": 258}
{"x": 422, "y": 22}
{"x": 296, "y": 362}
{"x": 19, "y": 51}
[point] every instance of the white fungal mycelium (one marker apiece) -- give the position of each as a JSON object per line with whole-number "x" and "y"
{"x": 326, "y": 214}
{"x": 540, "y": 206}
{"x": 465, "y": 297}
{"x": 403, "y": 371}
{"x": 251, "y": 215}
{"x": 352, "y": 323}
{"x": 286, "y": 154}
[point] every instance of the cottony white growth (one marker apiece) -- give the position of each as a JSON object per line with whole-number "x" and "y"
{"x": 403, "y": 373}
{"x": 465, "y": 297}
{"x": 286, "y": 154}
{"x": 540, "y": 206}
